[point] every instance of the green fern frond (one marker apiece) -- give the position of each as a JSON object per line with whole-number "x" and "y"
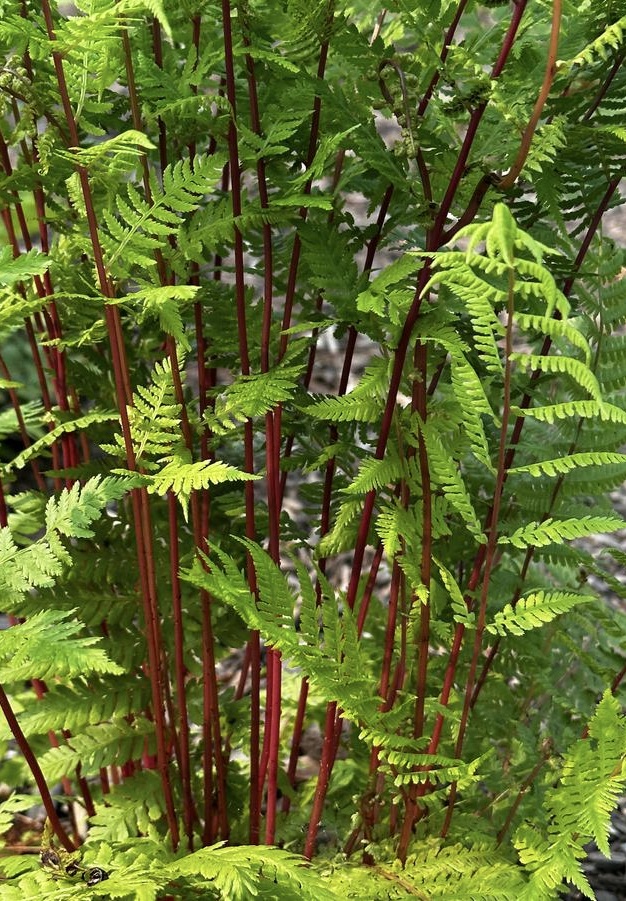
{"x": 576, "y": 370}
{"x": 125, "y": 144}
{"x": 457, "y": 601}
{"x": 349, "y": 408}
{"x": 32, "y": 413}
{"x": 534, "y": 610}
{"x": 49, "y": 438}
{"x": 556, "y": 329}
{"x": 470, "y": 393}
{"x": 479, "y": 298}
{"x": 183, "y": 477}
{"x": 154, "y": 418}
{"x": 396, "y": 524}
{"x": 548, "y": 140}
{"x": 445, "y": 473}
{"x": 135, "y": 807}
{"x": 579, "y": 808}
{"x": 586, "y": 409}
{"x": 70, "y": 515}
{"x": 72, "y": 708}
{"x": 46, "y": 646}
{"x": 437, "y": 872}
{"x": 252, "y": 395}
{"x": 334, "y": 662}
{"x": 539, "y": 534}
{"x": 601, "y": 48}
{"x": 344, "y": 528}
{"x": 21, "y": 569}
{"x": 164, "y": 303}
{"x": 562, "y": 465}
{"x": 138, "y": 227}
{"x": 99, "y": 746}
{"x": 363, "y": 404}
{"x": 244, "y": 872}
{"x": 73, "y": 511}
{"x": 374, "y": 473}
{"x": 21, "y": 268}
{"x": 374, "y": 297}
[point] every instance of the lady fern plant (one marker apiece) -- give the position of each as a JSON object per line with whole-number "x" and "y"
{"x": 312, "y": 368}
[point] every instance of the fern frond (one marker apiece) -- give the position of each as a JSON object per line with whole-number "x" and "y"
{"x": 576, "y": 370}
{"x": 49, "y": 438}
{"x": 69, "y": 515}
{"x": 396, "y": 524}
{"x": 154, "y": 418}
{"x": 479, "y": 298}
{"x": 363, "y": 404}
{"x": 32, "y": 413}
{"x": 437, "y": 871}
{"x": 586, "y": 409}
{"x": 75, "y": 509}
{"x": 556, "y": 329}
{"x": 135, "y": 806}
{"x": 349, "y": 408}
{"x": 164, "y": 303}
{"x": 601, "y": 48}
{"x": 72, "y": 708}
{"x": 46, "y": 646}
{"x": 534, "y": 610}
{"x": 183, "y": 477}
{"x": 470, "y": 393}
{"x": 138, "y": 227}
{"x": 374, "y": 297}
{"x": 562, "y": 465}
{"x": 334, "y": 662}
{"x": 457, "y": 601}
{"x": 579, "y": 808}
{"x": 445, "y": 473}
{"x": 243, "y": 872}
{"x": 252, "y": 395}
{"x": 344, "y": 528}
{"x": 539, "y": 534}
{"x": 374, "y": 473}
{"x": 99, "y": 746}
{"x": 21, "y": 268}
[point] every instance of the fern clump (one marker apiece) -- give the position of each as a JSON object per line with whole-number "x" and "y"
{"x": 312, "y": 406}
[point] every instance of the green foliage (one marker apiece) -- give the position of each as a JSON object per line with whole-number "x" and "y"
{"x": 44, "y": 647}
{"x": 577, "y": 810}
{"x": 312, "y": 376}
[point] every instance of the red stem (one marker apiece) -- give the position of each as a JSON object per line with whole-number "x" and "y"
{"x": 35, "y": 769}
{"x": 139, "y": 497}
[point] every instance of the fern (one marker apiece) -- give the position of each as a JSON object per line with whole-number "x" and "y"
{"x": 14, "y": 270}
{"x": 72, "y": 708}
{"x": 240, "y": 873}
{"x": 562, "y": 465}
{"x": 98, "y": 746}
{"x": 252, "y": 395}
{"x": 183, "y": 477}
{"x": 602, "y": 47}
{"x": 138, "y": 227}
{"x": 552, "y": 530}
{"x": 64, "y": 428}
{"x": 445, "y": 471}
{"x": 534, "y": 610}
{"x": 45, "y": 647}
{"x": 154, "y": 418}
{"x": 264, "y": 262}
{"x": 336, "y": 665}
{"x": 578, "y": 807}
{"x": 72, "y": 514}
